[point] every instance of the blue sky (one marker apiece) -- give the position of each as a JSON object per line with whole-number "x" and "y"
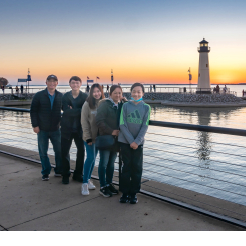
{"x": 118, "y": 33}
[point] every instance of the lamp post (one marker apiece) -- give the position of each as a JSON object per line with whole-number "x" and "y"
{"x": 112, "y": 77}
{"x": 190, "y": 78}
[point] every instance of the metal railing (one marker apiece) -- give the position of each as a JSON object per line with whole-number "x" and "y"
{"x": 213, "y": 129}
{"x": 83, "y": 88}
{"x": 159, "y": 89}
{"x": 184, "y": 162}
{"x": 188, "y": 90}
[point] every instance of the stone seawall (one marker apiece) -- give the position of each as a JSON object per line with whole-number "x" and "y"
{"x": 189, "y": 98}
{"x": 204, "y": 98}
{"x": 7, "y": 97}
{"x": 159, "y": 98}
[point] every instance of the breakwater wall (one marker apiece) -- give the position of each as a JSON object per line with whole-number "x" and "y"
{"x": 152, "y": 97}
{"x": 188, "y": 98}
{"x": 7, "y": 97}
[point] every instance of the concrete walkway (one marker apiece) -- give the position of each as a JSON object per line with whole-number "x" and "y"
{"x": 28, "y": 204}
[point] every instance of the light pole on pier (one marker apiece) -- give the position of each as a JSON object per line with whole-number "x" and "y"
{"x": 28, "y": 78}
{"x": 112, "y": 77}
{"x": 190, "y": 78}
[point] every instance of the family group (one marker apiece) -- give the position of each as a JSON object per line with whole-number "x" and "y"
{"x": 97, "y": 124}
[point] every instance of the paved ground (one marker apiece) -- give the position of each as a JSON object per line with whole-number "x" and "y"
{"x": 28, "y": 204}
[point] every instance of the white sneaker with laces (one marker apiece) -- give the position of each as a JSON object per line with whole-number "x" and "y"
{"x": 84, "y": 190}
{"x": 91, "y": 186}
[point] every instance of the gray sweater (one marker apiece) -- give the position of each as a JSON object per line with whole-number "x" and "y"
{"x": 88, "y": 122}
{"x": 134, "y": 121}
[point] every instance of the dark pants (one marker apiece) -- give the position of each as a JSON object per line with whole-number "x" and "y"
{"x": 106, "y": 167}
{"x": 132, "y": 167}
{"x": 65, "y": 148}
{"x": 43, "y": 145}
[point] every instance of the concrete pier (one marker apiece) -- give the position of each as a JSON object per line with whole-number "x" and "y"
{"x": 28, "y": 203}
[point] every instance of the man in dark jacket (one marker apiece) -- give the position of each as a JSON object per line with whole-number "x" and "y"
{"x": 72, "y": 103}
{"x": 45, "y": 117}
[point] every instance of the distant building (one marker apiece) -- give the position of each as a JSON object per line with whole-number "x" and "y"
{"x": 3, "y": 81}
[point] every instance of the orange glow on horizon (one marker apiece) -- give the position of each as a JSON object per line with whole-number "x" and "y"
{"x": 168, "y": 67}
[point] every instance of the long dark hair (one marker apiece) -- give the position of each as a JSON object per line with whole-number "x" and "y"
{"x": 90, "y": 99}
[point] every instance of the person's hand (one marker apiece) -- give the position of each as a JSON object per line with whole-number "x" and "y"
{"x": 70, "y": 107}
{"x": 134, "y": 145}
{"x": 115, "y": 132}
{"x": 36, "y": 129}
{"x": 123, "y": 99}
{"x": 90, "y": 143}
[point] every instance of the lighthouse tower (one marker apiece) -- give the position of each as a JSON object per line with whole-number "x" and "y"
{"x": 203, "y": 71}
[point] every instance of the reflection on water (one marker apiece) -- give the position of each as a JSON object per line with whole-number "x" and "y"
{"x": 200, "y": 116}
{"x": 212, "y": 164}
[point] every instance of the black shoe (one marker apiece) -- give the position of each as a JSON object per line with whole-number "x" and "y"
{"x": 124, "y": 198}
{"x": 65, "y": 180}
{"x": 133, "y": 199}
{"x": 112, "y": 189}
{"x": 105, "y": 192}
{"x": 45, "y": 177}
{"x": 78, "y": 178}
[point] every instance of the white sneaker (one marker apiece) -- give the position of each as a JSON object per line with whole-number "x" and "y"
{"x": 91, "y": 186}
{"x": 84, "y": 190}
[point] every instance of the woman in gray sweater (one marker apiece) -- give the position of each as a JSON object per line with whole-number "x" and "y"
{"x": 89, "y": 126}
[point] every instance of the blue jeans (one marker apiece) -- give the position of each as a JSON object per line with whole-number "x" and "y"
{"x": 43, "y": 145}
{"x": 106, "y": 167}
{"x": 91, "y": 152}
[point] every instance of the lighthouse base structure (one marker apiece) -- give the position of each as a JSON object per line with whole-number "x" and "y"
{"x": 202, "y": 91}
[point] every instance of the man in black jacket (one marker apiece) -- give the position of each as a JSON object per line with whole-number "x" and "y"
{"x": 72, "y": 103}
{"x": 45, "y": 117}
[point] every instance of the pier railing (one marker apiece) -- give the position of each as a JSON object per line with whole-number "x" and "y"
{"x": 199, "y": 164}
{"x": 186, "y": 89}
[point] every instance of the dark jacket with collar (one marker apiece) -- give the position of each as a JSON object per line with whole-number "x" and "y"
{"x": 42, "y": 115}
{"x": 69, "y": 115}
{"x": 108, "y": 117}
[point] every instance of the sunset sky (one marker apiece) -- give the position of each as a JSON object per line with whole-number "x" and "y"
{"x": 147, "y": 41}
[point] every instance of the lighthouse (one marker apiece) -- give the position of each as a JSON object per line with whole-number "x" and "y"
{"x": 203, "y": 71}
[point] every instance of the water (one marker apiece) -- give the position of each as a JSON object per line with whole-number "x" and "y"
{"x": 208, "y": 163}
{"x": 212, "y": 164}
